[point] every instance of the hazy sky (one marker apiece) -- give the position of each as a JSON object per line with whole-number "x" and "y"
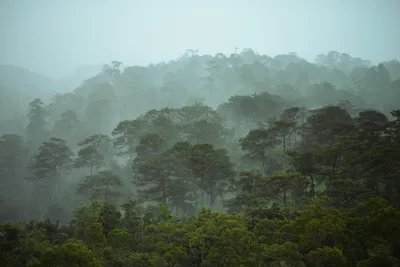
{"x": 53, "y": 37}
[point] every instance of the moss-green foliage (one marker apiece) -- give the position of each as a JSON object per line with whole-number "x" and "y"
{"x": 320, "y": 235}
{"x": 289, "y": 174}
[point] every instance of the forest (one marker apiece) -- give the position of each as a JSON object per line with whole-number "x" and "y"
{"x": 240, "y": 160}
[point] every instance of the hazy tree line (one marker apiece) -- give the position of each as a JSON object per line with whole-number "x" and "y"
{"x": 239, "y": 160}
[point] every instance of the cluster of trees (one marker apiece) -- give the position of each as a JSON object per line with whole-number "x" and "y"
{"x": 118, "y": 93}
{"x": 101, "y": 235}
{"x": 273, "y": 176}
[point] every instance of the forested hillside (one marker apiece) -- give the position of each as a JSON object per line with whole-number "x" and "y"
{"x": 225, "y": 160}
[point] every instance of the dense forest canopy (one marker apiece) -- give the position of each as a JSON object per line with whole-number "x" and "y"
{"x": 224, "y": 160}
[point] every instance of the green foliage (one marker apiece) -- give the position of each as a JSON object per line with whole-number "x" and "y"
{"x": 47, "y": 166}
{"x": 13, "y": 159}
{"x": 212, "y": 169}
{"x": 286, "y": 254}
{"x": 66, "y": 126}
{"x": 131, "y": 220}
{"x": 319, "y": 236}
{"x": 52, "y": 157}
{"x": 127, "y": 135}
{"x": 90, "y": 155}
{"x": 110, "y": 217}
{"x": 256, "y": 145}
{"x": 303, "y": 157}
{"x": 71, "y": 253}
{"x": 37, "y": 129}
{"x": 101, "y": 186}
{"x": 283, "y": 185}
{"x": 249, "y": 189}
{"x": 326, "y": 256}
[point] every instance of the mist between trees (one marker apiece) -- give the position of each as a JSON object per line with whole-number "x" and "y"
{"x": 225, "y": 160}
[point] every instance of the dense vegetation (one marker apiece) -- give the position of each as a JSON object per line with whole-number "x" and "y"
{"x": 240, "y": 160}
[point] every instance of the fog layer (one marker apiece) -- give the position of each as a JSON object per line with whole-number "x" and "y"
{"x": 54, "y": 37}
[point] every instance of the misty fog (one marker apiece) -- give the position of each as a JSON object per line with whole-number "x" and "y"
{"x": 42, "y": 34}
{"x": 188, "y": 133}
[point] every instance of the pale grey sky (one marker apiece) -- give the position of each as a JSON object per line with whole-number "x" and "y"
{"x": 53, "y": 37}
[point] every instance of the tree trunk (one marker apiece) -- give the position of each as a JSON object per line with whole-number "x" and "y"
{"x": 58, "y": 181}
{"x": 49, "y": 190}
{"x": 312, "y": 185}
{"x": 91, "y": 167}
{"x": 263, "y": 165}
{"x": 283, "y": 156}
{"x": 212, "y": 199}
{"x": 164, "y": 197}
{"x": 334, "y": 164}
{"x": 106, "y": 193}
